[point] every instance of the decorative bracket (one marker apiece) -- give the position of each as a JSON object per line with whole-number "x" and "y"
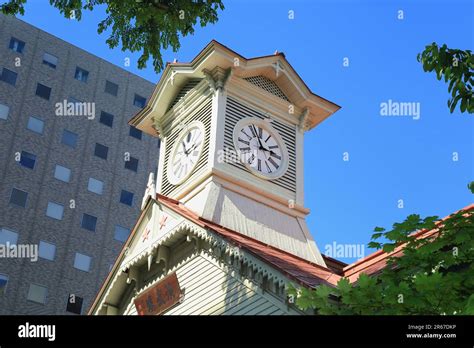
{"x": 217, "y": 78}
{"x": 171, "y": 78}
{"x": 133, "y": 274}
{"x": 304, "y": 121}
{"x": 195, "y": 240}
{"x": 158, "y": 128}
{"x": 278, "y": 67}
{"x": 163, "y": 255}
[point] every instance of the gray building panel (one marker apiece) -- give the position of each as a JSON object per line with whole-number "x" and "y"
{"x": 31, "y": 223}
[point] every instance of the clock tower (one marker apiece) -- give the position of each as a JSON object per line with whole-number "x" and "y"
{"x": 231, "y": 132}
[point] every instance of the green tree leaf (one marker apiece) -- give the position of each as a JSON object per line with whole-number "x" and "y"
{"x": 149, "y": 26}
{"x": 457, "y": 68}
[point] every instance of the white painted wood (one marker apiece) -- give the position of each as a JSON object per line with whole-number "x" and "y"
{"x": 209, "y": 290}
{"x": 256, "y": 220}
{"x": 299, "y": 172}
{"x": 217, "y": 127}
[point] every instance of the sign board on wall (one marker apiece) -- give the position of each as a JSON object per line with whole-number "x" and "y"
{"x": 160, "y": 297}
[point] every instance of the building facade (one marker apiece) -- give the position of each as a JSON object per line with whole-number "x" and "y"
{"x": 72, "y": 171}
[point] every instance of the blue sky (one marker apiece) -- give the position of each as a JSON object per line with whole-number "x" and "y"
{"x": 390, "y": 158}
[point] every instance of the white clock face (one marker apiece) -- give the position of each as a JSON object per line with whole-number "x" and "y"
{"x": 186, "y": 153}
{"x": 260, "y": 148}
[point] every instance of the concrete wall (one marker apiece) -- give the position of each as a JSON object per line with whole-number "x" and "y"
{"x": 32, "y": 224}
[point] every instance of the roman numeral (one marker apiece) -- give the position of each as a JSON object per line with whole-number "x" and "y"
{"x": 269, "y": 170}
{"x": 275, "y": 155}
{"x": 273, "y": 147}
{"x": 250, "y": 161}
{"x": 260, "y": 132}
{"x": 244, "y": 141}
{"x": 248, "y": 136}
{"x": 273, "y": 162}
{"x": 245, "y": 149}
{"x": 253, "y": 130}
{"x": 259, "y": 165}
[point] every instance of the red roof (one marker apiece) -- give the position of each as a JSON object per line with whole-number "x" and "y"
{"x": 302, "y": 271}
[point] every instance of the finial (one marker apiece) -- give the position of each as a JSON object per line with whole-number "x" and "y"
{"x": 150, "y": 190}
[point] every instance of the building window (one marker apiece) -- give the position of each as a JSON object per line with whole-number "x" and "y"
{"x": 8, "y": 76}
{"x": 47, "y": 250}
{"x": 37, "y": 293}
{"x": 89, "y": 222}
{"x": 35, "y": 124}
{"x": 101, "y": 151}
{"x": 136, "y": 133}
{"x": 19, "y": 197}
{"x": 74, "y": 100}
{"x": 62, "y": 173}
{"x": 55, "y": 211}
{"x": 74, "y": 304}
{"x": 27, "y": 160}
{"x": 139, "y": 101}
{"x": 111, "y": 88}
{"x": 95, "y": 186}
{"x": 81, "y": 74}
{"x": 132, "y": 164}
{"x": 8, "y": 236}
{"x": 4, "y": 110}
{"x": 16, "y": 45}
{"x": 106, "y": 118}
{"x": 3, "y": 284}
{"x": 43, "y": 91}
{"x": 50, "y": 60}
{"x": 126, "y": 197}
{"x": 121, "y": 233}
{"x": 69, "y": 138}
{"x": 82, "y": 262}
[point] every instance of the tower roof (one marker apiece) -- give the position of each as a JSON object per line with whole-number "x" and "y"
{"x": 274, "y": 67}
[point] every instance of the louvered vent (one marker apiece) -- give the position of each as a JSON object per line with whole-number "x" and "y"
{"x": 203, "y": 114}
{"x": 184, "y": 91}
{"x": 235, "y": 111}
{"x": 268, "y": 85}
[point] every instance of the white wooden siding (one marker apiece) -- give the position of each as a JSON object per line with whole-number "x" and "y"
{"x": 209, "y": 290}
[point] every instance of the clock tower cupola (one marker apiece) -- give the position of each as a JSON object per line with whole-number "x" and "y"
{"x": 231, "y": 132}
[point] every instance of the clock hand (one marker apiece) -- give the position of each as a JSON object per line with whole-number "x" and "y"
{"x": 271, "y": 152}
{"x": 264, "y": 148}
{"x": 193, "y": 147}
{"x": 258, "y": 138}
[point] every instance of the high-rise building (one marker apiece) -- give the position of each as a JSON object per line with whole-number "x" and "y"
{"x": 72, "y": 171}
